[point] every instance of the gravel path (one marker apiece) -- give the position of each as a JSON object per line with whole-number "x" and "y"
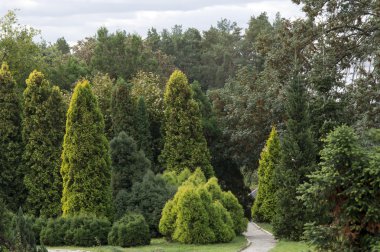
{"x": 261, "y": 240}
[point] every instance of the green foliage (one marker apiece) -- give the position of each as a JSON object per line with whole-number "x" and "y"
{"x": 17, "y": 47}
{"x": 86, "y": 163}
{"x": 21, "y": 234}
{"x": 172, "y": 178}
{"x": 184, "y": 143}
{"x": 247, "y": 107}
{"x": 297, "y": 161}
{"x": 62, "y": 45}
{"x": 5, "y": 220}
{"x": 131, "y": 230}
{"x": 43, "y": 130}
{"x": 11, "y": 174}
{"x": 122, "y": 109}
{"x": 102, "y": 88}
{"x": 192, "y": 223}
{"x": 128, "y": 163}
{"x": 37, "y": 225}
{"x": 342, "y": 196}
{"x": 143, "y": 135}
{"x": 264, "y": 206}
{"x": 147, "y": 197}
{"x": 76, "y": 231}
{"x": 236, "y": 211}
{"x": 201, "y": 213}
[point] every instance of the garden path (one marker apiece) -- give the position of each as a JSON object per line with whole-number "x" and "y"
{"x": 260, "y": 240}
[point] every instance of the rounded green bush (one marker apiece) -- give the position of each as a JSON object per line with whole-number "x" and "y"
{"x": 131, "y": 230}
{"x": 201, "y": 213}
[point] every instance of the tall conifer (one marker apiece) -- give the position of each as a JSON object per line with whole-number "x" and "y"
{"x": 184, "y": 143}
{"x": 264, "y": 206}
{"x": 43, "y": 130}
{"x": 11, "y": 174}
{"x": 86, "y": 163}
{"x": 297, "y": 161}
{"x": 142, "y": 125}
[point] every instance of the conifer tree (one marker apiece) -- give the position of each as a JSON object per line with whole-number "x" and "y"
{"x": 43, "y": 130}
{"x": 86, "y": 163}
{"x": 122, "y": 109}
{"x": 142, "y": 126}
{"x": 128, "y": 163}
{"x": 11, "y": 174}
{"x": 184, "y": 143}
{"x": 263, "y": 209}
{"x": 297, "y": 161}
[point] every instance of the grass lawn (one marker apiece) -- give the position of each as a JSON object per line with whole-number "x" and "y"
{"x": 160, "y": 245}
{"x": 287, "y": 246}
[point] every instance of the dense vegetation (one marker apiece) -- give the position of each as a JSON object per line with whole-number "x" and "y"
{"x": 174, "y": 127}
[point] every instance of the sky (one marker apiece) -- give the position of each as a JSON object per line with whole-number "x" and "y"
{"x": 77, "y": 19}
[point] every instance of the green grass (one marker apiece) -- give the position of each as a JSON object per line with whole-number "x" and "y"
{"x": 266, "y": 226}
{"x": 290, "y": 246}
{"x": 160, "y": 245}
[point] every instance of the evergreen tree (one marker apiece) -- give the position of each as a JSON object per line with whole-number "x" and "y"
{"x": 297, "y": 161}
{"x": 86, "y": 163}
{"x": 342, "y": 193}
{"x": 122, "y": 109}
{"x": 142, "y": 126}
{"x": 43, "y": 130}
{"x": 11, "y": 174}
{"x": 184, "y": 143}
{"x": 128, "y": 163}
{"x": 263, "y": 209}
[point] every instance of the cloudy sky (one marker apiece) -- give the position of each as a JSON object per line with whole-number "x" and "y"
{"x": 76, "y": 19}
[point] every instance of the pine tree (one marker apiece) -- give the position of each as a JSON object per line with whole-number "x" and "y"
{"x": 86, "y": 163}
{"x": 122, "y": 109}
{"x": 128, "y": 163}
{"x": 263, "y": 209}
{"x": 297, "y": 161}
{"x": 43, "y": 130}
{"x": 11, "y": 174}
{"x": 142, "y": 126}
{"x": 184, "y": 143}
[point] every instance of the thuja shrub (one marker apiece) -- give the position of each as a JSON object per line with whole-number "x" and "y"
{"x": 131, "y": 230}
{"x": 75, "y": 231}
{"x": 202, "y": 213}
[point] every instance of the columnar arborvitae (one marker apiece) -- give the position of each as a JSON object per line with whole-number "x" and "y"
{"x": 11, "y": 174}
{"x": 142, "y": 126}
{"x": 43, "y": 130}
{"x": 265, "y": 202}
{"x": 297, "y": 161}
{"x": 122, "y": 109}
{"x": 184, "y": 143}
{"x": 86, "y": 163}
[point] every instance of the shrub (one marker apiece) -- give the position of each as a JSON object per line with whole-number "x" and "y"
{"x": 37, "y": 225}
{"x": 202, "y": 213}
{"x": 131, "y": 230}
{"x": 75, "y": 231}
{"x": 147, "y": 197}
{"x": 192, "y": 224}
{"x": 21, "y": 234}
{"x": 231, "y": 203}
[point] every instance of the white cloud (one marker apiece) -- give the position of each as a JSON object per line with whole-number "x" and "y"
{"x": 76, "y": 19}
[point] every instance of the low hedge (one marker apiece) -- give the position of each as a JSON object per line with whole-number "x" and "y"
{"x": 75, "y": 231}
{"x": 131, "y": 230}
